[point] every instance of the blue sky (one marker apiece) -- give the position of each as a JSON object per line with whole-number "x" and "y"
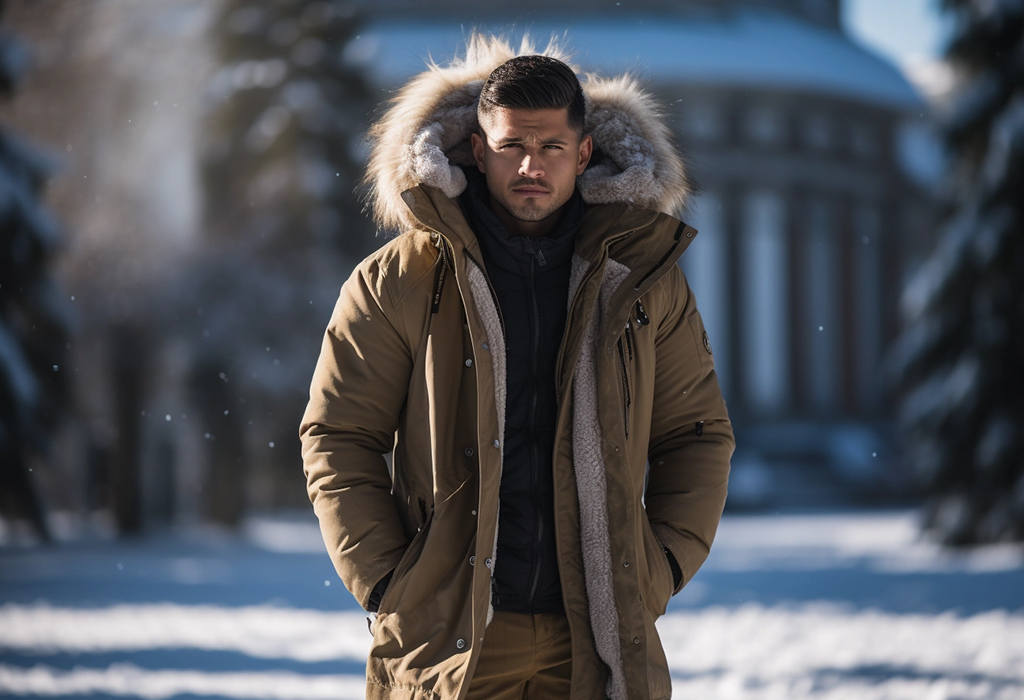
{"x": 910, "y": 33}
{"x": 902, "y": 30}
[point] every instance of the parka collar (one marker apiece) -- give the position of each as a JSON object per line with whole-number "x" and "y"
{"x": 633, "y": 236}
{"x": 511, "y": 251}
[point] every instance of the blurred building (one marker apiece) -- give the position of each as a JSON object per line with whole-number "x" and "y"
{"x": 797, "y": 140}
{"x": 808, "y": 210}
{"x": 210, "y": 225}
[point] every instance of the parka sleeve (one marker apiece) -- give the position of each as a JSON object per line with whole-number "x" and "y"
{"x": 358, "y": 389}
{"x": 691, "y": 436}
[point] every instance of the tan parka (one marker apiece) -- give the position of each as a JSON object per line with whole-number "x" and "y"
{"x": 413, "y": 363}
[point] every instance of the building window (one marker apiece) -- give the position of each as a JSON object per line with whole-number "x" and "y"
{"x": 706, "y": 266}
{"x": 864, "y": 141}
{"x": 818, "y": 133}
{"x": 764, "y": 125}
{"x": 765, "y": 305}
{"x": 702, "y": 121}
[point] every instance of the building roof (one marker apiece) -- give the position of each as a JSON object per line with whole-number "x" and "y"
{"x": 741, "y": 48}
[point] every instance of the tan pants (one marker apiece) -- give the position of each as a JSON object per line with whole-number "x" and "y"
{"x": 524, "y": 656}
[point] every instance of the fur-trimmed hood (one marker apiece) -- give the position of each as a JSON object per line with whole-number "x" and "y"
{"x": 424, "y": 137}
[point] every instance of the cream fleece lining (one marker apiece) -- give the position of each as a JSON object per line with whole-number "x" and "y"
{"x": 488, "y": 311}
{"x": 591, "y": 484}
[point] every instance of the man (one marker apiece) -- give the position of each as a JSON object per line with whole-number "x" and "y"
{"x": 524, "y": 349}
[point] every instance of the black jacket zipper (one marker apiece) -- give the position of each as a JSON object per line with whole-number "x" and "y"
{"x": 441, "y": 274}
{"x": 535, "y": 461}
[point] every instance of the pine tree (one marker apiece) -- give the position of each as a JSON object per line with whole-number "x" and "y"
{"x": 281, "y": 162}
{"x": 961, "y": 359}
{"x": 34, "y": 319}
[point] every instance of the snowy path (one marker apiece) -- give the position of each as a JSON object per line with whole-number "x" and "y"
{"x": 829, "y": 607}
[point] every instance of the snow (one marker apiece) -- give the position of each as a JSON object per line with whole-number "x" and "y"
{"x": 260, "y": 631}
{"x": 743, "y": 48}
{"x": 817, "y": 606}
{"x": 132, "y": 681}
{"x": 805, "y": 651}
{"x": 882, "y": 543}
{"x": 814, "y": 651}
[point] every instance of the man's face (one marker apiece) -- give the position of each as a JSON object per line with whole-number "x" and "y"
{"x": 531, "y": 158}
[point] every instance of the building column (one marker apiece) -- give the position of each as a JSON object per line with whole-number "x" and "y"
{"x": 869, "y": 322}
{"x": 820, "y": 325}
{"x": 765, "y": 304}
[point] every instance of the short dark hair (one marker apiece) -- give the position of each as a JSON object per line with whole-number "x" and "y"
{"x": 534, "y": 82}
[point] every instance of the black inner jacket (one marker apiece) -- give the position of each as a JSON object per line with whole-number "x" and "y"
{"x": 530, "y": 277}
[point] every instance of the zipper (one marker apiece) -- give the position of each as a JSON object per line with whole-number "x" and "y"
{"x": 642, "y": 319}
{"x": 665, "y": 257}
{"x": 535, "y": 461}
{"x": 627, "y": 399}
{"x": 441, "y": 274}
{"x": 629, "y": 338}
{"x": 423, "y": 511}
{"x": 625, "y": 345}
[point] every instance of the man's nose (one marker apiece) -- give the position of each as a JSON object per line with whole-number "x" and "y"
{"x": 531, "y": 168}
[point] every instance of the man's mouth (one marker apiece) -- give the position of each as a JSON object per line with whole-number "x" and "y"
{"x": 530, "y": 191}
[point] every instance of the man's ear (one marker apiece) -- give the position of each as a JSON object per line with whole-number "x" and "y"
{"x": 478, "y": 151}
{"x": 586, "y": 150}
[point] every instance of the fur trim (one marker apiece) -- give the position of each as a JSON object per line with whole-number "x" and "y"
{"x": 591, "y": 484}
{"x": 424, "y": 137}
{"x": 488, "y": 310}
{"x": 639, "y": 164}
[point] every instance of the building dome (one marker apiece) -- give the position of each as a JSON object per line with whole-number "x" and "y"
{"x": 741, "y": 48}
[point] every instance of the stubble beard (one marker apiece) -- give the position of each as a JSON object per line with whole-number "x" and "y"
{"x": 526, "y": 212}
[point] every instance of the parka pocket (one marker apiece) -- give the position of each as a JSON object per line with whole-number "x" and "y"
{"x": 661, "y": 583}
{"x": 407, "y": 562}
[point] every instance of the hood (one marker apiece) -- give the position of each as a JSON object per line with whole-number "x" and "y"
{"x": 424, "y": 137}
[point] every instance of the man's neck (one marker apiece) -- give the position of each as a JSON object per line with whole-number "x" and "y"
{"x": 519, "y": 227}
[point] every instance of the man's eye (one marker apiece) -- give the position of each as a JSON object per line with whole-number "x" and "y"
{"x": 553, "y": 147}
{"x": 512, "y": 145}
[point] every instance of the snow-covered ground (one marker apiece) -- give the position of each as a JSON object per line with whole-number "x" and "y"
{"x": 830, "y": 606}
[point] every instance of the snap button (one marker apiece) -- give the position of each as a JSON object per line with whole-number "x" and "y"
{"x": 636, "y": 640}
{"x": 472, "y": 560}
{"x": 487, "y": 563}
{"x": 496, "y": 443}
{"x": 484, "y": 345}
{"x": 625, "y": 564}
{"x": 473, "y": 512}
{"x": 470, "y": 451}
{"x": 461, "y": 644}
{"x": 469, "y": 363}
{"x": 689, "y": 234}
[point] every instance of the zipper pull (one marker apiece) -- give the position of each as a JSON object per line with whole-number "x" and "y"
{"x": 641, "y": 316}
{"x": 541, "y": 260}
{"x": 700, "y": 428}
